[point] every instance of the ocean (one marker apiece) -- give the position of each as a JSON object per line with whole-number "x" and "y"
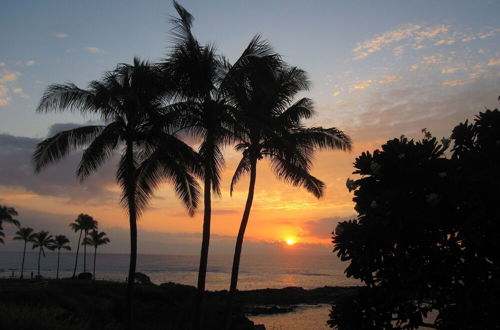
{"x": 256, "y": 272}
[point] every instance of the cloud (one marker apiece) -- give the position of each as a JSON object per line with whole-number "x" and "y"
{"x": 57, "y": 179}
{"x": 4, "y": 96}
{"x": 17, "y": 90}
{"x": 494, "y": 62}
{"x": 376, "y": 44}
{"x": 418, "y": 37}
{"x": 61, "y": 35}
{"x": 323, "y": 228}
{"x": 94, "y": 50}
{"x": 389, "y": 79}
{"x": 2, "y": 64}
{"x": 8, "y": 76}
{"x": 29, "y": 63}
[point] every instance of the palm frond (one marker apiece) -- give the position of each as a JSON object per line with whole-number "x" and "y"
{"x": 54, "y": 148}
{"x": 297, "y": 176}
{"x": 99, "y": 150}
{"x": 242, "y": 168}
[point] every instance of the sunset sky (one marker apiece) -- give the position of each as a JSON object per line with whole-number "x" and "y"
{"x": 377, "y": 72}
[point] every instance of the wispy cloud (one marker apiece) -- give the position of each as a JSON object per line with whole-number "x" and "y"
{"x": 418, "y": 37}
{"x": 17, "y": 90}
{"x": 29, "y": 63}
{"x": 2, "y": 64}
{"x": 389, "y": 79}
{"x": 4, "y": 96}
{"x": 494, "y": 62}
{"x": 94, "y": 50}
{"x": 8, "y": 76}
{"x": 61, "y": 35}
{"x": 376, "y": 44}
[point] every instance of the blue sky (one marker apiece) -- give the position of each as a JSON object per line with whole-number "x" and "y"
{"x": 379, "y": 69}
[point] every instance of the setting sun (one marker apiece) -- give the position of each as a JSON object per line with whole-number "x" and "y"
{"x": 290, "y": 241}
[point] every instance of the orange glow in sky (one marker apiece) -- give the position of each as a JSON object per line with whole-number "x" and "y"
{"x": 290, "y": 241}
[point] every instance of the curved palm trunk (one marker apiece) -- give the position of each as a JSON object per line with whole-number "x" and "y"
{"x": 22, "y": 263}
{"x": 202, "y": 272}
{"x": 77, "y": 251}
{"x": 239, "y": 242}
{"x": 95, "y": 255}
{"x": 132, "y": 209}
{"x": 85, "y": 253}
{"x": 39, "y": 255}
{"x": 58, "y": 255}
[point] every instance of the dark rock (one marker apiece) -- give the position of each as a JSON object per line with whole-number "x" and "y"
{"x": 85, "y": 276}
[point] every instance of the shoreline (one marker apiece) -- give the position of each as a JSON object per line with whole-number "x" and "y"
{"x": 74, "y": 301}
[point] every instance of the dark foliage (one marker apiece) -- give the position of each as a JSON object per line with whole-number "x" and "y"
{"x": 426, "y": 235}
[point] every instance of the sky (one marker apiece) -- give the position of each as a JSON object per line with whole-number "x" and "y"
{"x": 378, "y": 71}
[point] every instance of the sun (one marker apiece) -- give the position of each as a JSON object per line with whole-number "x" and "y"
{"x": 290, "y": 241}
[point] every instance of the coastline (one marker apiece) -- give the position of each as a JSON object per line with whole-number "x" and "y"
{"x": 156, "y": 306}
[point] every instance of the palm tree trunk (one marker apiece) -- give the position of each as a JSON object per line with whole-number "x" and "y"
{"x": 85, "y": 254}
{"x": 58, "y": 256}
{"x": 95, "y": 255}
{"x": 22, "y": 263}
{"x": 239, "y": 242}
{"x": 77, "y": 250}
{"x": 130, "y": 186}
{"x": 202, "y": 272}
{"x": 39, "y": 255}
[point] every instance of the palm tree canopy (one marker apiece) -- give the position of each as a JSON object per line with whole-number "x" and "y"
{"x": 24, "y": 234}
{"x": 43, "y": 240}
{"x": 7, "y": 214}
{"x": 61, "y": 242}
{"x": 128, "y": 99}
{"x": 271, "y": 123}
{"x": 83, "y": 222}
{"x": 96, "y": 239}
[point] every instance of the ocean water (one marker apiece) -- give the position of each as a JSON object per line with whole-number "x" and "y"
{"x": 256, "y": 272}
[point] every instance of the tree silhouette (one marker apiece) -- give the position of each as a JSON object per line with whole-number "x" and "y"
{"x": 60, "y": 242}
{"x": 41, "y": 241}
{"x": 426, "y": 235}
{"x": 7, "y": 214}
{"x": 25, "y": 234}
{"x": 198, "y": 73}
{"x": 83, "y": 223}
{"x": 96, "y": 239}
{"x": 130, "y": 99}
{"x": 262, "y": 90}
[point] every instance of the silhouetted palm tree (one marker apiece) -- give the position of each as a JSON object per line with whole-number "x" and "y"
{"x": 7, "y": 214}
{"x": 60, "y": 242}
{"x": 87, "y": 224}
{"x": 271, "y": 127}
{"x": 96, "y": 239}
{"x": 83, "y": 223}
{"x": 42, "y": 240}
{"x": 129, "y": 99}
{"x": 25, "y": 234}
{"x": 197, "y": 72}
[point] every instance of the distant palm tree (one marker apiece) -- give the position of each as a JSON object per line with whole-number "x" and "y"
{"x": 42, "y": 240}
{"x": 60, "y": 242}
{"x": 83, "y": 223}
{"x": 129, "y": 99}
{"x": 96, "y": 239}
{"x": 7, "y": 214}
{"x": 88, "y": 224}
{"x": 25, "y": 234}
{"x": 271, "y": 127}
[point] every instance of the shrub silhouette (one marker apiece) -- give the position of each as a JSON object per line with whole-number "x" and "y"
{"x": 426, "y": 235}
